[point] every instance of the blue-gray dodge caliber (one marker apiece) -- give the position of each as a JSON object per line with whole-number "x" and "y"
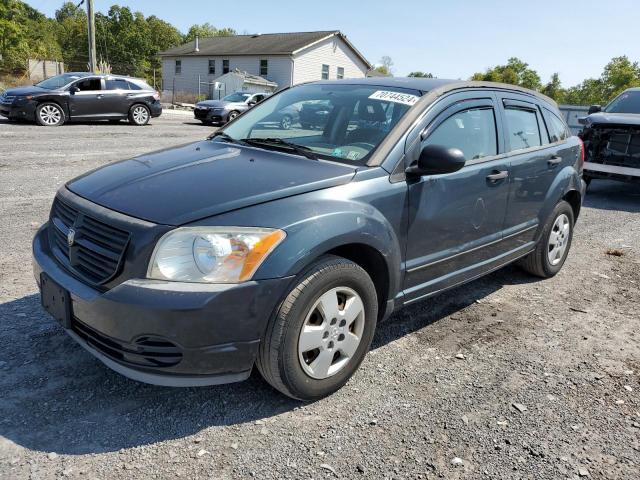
{"x": 284, "y": 248}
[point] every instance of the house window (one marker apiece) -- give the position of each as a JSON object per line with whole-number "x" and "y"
{"x": 212, "y": 67}
{"x": 325, "y": 72}
{"x": 264, "y": 68}
{"x": 178, "y": 67}
{"x": 225, "y": 66}
{"x": 340, "y": 73}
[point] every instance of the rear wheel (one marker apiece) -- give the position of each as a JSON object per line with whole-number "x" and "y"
{"x": 322, "y": 330}
{"x": 49, "y": 114}
{"x": 139, "y": 115}
{"x": 552, "y": 249}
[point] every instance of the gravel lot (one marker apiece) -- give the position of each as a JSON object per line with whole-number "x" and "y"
{"x": 507, "y": 377}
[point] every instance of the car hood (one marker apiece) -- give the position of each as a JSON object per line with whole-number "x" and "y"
{"x": 603, "y": 118}
{"x": 213, "y": 104}
{"x": 195, "y": 181}
{"x": 32, "y": 90}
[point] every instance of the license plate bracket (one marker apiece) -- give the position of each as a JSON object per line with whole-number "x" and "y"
{"x": 55, "y": 300}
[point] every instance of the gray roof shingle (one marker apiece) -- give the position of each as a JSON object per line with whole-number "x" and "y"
{"x": 258, "y": 44}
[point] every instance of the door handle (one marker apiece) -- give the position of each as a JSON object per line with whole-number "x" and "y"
{"x": 555, "y": 160}
{"x": 498, "y": 175}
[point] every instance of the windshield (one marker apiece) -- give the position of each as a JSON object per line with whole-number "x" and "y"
{"x": 59, "y": 80}
{"x": 236, "y": 97}
{"x": 626, "y": 102}
{"x": 334, "y": 121}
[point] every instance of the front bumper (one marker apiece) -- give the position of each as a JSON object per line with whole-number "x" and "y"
{"x": 208, "y": 115}
{"x": 613, "y": 172}
{"x": 167, "y": 333}
{"x": 23, "y": 111}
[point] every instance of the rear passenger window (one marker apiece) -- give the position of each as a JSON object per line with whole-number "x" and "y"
{"x": 134, "y": 86}
{"x": 473, "y": 131}
{"x": 523, "y": 130}
{"x": 116, "y": 84}
{"x": 557, "y": 128}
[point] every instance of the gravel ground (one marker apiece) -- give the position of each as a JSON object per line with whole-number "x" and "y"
{"x": 506, "y": 377}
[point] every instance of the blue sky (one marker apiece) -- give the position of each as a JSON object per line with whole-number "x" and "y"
{"x": 449, "y": 38}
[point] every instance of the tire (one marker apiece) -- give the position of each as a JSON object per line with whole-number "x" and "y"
{"x": 285, "y": 349}
{"x": 139, "y": 115}
{"x": 285, "y": 122}
{"x": 539, "y": 262}
{"x": 232, "y": 115}
{"x": 49, "y": 114}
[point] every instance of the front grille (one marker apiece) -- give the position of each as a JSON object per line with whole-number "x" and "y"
{"x": 144, "y": 352}
{"x": 87, "y": 246}
{"x": 201, "y": 112}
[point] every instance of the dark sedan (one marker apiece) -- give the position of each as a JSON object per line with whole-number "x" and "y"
{"x": 82, "y": 96}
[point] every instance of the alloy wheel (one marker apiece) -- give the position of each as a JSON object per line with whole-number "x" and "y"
{"x": 285, "y": 123}
{"x": 140, "y": 115}
{"x": 50, "y": 115}
{"x": 331, "y": 333}
{"x": 559, "y": 239}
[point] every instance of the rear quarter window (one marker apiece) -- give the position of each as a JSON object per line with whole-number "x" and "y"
{"x": 558, "y": 129}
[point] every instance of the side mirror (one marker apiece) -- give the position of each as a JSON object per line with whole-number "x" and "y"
{"x": 594, "y": 109}
{"x": 73, "y": 90}
{"x": 437, "y": 159}
{"x": 252, "y": 103}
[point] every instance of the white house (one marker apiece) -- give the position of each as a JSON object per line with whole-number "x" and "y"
{"x": 283, "y": 58}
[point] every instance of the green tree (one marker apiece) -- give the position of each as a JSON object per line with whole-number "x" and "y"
{"x": 205, "y": 30}
{"x": 515, "y": 72}
{"x": 385, "y": 65}
{"x": 420, "y": 74}
{"x": 554, "y": 89}
{"x": 25, "y": 33}
{"x": 619, "y": 74}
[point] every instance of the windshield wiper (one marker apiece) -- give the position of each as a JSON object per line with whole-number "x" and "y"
{"x": 278, "y": 142}
{"x": 223, "y": 136}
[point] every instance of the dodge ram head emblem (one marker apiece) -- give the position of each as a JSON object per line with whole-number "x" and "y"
{"x": 71, "y": 237}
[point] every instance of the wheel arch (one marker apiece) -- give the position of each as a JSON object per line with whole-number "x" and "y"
{"x": 63, "y": 105}
{"x": 574, "y": 198}
{"x": 372, "y": 262}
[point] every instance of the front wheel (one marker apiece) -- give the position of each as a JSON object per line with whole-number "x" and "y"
{"x": 232, "y": 116}
{"x": 49, "y": 114}
{"x": 554, "y": 244}
{"x": 285, "y": 122}
{"x": 139, "y": 115}
{"x": 321, "y": 332}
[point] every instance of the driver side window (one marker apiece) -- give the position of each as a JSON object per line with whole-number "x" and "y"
{"x": 89, "y": 85}
{"x": 473, "y": 131}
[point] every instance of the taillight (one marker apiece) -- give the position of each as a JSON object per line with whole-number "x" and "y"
{"x": 156, "y": 96}
{"x": 581, "y": 151}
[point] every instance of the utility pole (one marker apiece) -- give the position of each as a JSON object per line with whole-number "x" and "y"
{"x": 92, "y": 37}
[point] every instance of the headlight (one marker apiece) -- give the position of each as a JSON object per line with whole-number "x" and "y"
{"x": 212, "y": 254}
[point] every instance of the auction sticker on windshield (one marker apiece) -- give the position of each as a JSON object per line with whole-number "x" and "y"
{"x": 396, "y": 97}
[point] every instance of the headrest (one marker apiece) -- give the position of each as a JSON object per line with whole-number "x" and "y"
{"x": 371, "y": 111}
